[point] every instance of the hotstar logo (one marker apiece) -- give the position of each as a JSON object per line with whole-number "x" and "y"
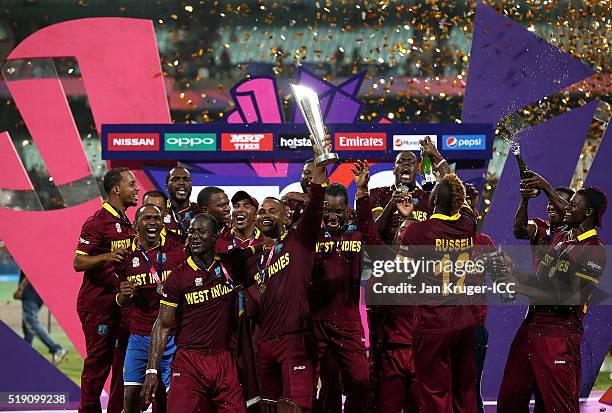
{"x": 290, "y": 141}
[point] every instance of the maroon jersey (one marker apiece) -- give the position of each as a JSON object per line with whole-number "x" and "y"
{"x": 205, "y": 300}
{"x": 380, "y": 197}
{"x": 105, "y": 231}
{"x": 284, "y": 273}
{"x": 145, "y": 302}
{"x": 228, "y": 240}
{"x": 397, "y": 320}
{"x": 179, "y": 221}
{"x": 576, "y": 263}
{"x": 539, "y": 243}
{"x": 334, "y": 290}
{"x": 483, "y": 243}
{"x": 174, "y": 237}
{"x": 443, "y": 238}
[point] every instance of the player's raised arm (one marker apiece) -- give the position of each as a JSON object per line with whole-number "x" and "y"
{"x": 523, "y": 229}
{"x": 429, "y": 149}
{"x": 536, "y": 182}
{"x": 365, "y": 221}
{"x": 312, "y": 217}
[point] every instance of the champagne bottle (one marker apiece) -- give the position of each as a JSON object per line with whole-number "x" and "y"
{"x": 428, "y": 178}
{"x": 521, "y": 162}
{"x": 516, "y": 151}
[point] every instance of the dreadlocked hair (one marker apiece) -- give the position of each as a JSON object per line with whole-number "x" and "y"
{"x": 453, "y": 193}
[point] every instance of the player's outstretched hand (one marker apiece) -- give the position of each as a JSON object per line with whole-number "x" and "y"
{"x": 149, "y": 388}
{"x": 528, "y": 193}
{"x": 471, "y": 196}
{"x": 429, "y": 149}
{"x": 403, "y": 203}
{"x": 326, "y": 144}
{"x": 533, "y": 181}
{"x": 361, "y": 174}
{"x": 116, "y": 256}
{"x": 296, "y": 196}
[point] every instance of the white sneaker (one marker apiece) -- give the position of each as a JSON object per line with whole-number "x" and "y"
{"x": 58, "y": 356}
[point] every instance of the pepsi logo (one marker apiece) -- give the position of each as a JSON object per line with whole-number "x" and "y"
{"x": 451, "y": 141}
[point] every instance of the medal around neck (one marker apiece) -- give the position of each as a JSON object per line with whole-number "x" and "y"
{"x": 308, "y": 102}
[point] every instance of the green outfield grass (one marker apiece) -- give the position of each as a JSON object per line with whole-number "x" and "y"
{"x": 10, "y": 313}
{"x": 73, "y": 363}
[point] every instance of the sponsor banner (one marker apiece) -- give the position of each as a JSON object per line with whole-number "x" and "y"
{"x": 464, "y": 142}
{"x": 233, "y": 142}
{"x": 411, "y": 142}
{"x": 293, "y": 141}
{"x": 190, "y": 141}
{"x": 125, "y": 142}
{"x": 371, "y": 141}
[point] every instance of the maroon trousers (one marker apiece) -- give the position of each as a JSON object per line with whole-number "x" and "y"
{"x": 397, "y": 390}
{"x": 544, "y": 365}
{"x": 445, "y": 369}
{"x": 345, "y": 342}
{"x": 285, "y": 369}
{"x": 329, "y": 398}
{"x": 200, "y": 380}
{"x": 105, "y": 343}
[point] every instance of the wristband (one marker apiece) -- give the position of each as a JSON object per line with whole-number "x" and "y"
{"x": 440, "y": 163}
{"x": 150, "y": 371}
{"x": 117, "y": 301}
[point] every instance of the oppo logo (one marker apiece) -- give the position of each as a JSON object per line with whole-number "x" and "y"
{"x": 190, "y": 142}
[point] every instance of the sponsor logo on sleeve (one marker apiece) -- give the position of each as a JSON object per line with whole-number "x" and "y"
{"x": 190, "y": 142}
{"x": 291, "y": 141}
{"x": 125, "y": 142}
{"x": 246, "y": 142}
{"x": 411, "y": 142}
{"x": 370, "y": 141}
{"x": 463, "y": 142}
{"x": 594, "y": 266}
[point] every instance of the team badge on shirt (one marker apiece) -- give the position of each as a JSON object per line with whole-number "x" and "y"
{"x": 198, "y": 282}
{"x": 118, "y": 227}
{"x": 102, "y": 329}
{"x": 167, "y": 219}
{"x": 136, "y": 262}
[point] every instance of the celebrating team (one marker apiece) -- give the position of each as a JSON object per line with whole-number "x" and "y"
{"x": 254, "y": 307}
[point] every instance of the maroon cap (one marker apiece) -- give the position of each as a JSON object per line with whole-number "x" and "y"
{"x": 241, "y": 196}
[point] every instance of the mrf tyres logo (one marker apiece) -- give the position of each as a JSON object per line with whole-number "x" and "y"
{"x": 463, "y": 142}
{"x": 372, "y": 141}
{"x": 125, "y": 142}
{"x": 190, "y": 142}
{"x": 291, "y": 141}
{"x": 246, "y": 142}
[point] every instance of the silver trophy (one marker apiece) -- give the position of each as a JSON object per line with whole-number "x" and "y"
{"x": 308, "y": 102}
